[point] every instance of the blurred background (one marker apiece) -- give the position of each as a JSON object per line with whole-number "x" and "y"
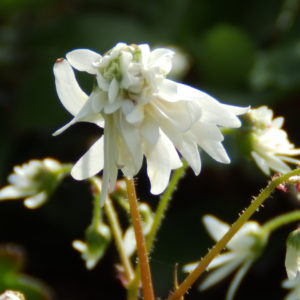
{"x": 241, "y": 52}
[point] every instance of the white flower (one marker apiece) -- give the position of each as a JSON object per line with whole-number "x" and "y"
{"x": 142, "y": 113}
{"x": 271, "y": 148}
{"x": 34, "y": 181}
{"x": 95, "y": 245}
{"x": 12, "y": 295}
{"x": 294, "y": 285}
{"x": 292, "y": 258}
{"x": 243, "y": 249}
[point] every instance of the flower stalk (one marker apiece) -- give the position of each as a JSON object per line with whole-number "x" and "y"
{"x": 244, "y": 217}
{"x": 140, "y": 242}
{"x": 117, "y": 234}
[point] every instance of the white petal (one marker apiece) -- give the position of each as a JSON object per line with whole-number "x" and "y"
{"x": 36, "y": 200}
{"x": 292, "y": 262}
{"x": 175, "y": 113}
{"x": 79, "y": 246}
{"x": 190, "y": 267}
{"x": 131, "y": 137}
{"x": 215, "y": 150}
{"x": 91, "y": 162}
{"x": 215, "y": 227}
{"x": 161, "y": 159}
{"x": 68, "y": 90}
{"x": 136, "y": 115}
{"x": 11, "y": 192}
{"x": 129, "y": 242}
{"x": 219, "y": 274}
{"x": 168, "y": 91}
{"x": 262, "y": 164}
{"x": 83, "y": 59}
{"x": 87, "y": 113}
{"x": 276, "y": 164}
{"x": 113, "y": 90}
{"x": 213, "y": 111}
{"x": 238, "y": 278}
{"x": 161, "y": 58}
{"x": 149, "y": 130}
{"x": 221, "y": 260}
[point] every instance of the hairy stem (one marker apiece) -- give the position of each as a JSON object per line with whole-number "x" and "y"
{"x": 140, "y": 242}
{"x": 255, "y": 204}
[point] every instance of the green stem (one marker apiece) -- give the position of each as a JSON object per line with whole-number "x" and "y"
{"x": 117, "y": 234}
{"x": 255, "y": 204}
{"x": 279, "y": 221}
{"x": 96, "y": 221}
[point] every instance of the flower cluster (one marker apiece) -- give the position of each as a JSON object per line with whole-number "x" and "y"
{"x": 34, "y": 181}
{"x": 244, "y": 248}
{"x": 270, "y": 147}
{"x": 143, "y": 114}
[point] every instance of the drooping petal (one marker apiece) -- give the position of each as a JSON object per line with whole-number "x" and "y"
{"x": 216, "y": 150}
{"x": 162, "y": 59}
{"x": 91, "y": 162}
{"x": 131, "y": 137}
{"x": 213, "y": 111}
{"x": 83, "y": 60}
{"x": 238, "y": 278}
{"x": 11, "y": 192}
{"x": 161, "y": 159}
{"x": 215, "y": 227}
{"x": 219, "y": 274}
{"x": 261, "y": 162}
{"x": 70, "y": 94}
{"x": 221, "y": 260}
{"x": 36, "y": 200}
{"x": 87, "y": 113}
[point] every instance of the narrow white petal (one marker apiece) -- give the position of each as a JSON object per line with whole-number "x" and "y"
{"x": 221, "y": 260}
{"x": 113, "y": 90}
{"x": 261, "y": 162}
{"x": 161, "y": 58}
{"x": 190, "y": 267}
{"x": 161, "y": 159}
{"x": 136, "y": 115}
{"x": 83, "y": 60}
{"x": 276, "y": 163}
{"x": 36, "y": 200}
{"x": 91, "y": 162}
{"x": 289, "y": 159}
{"x": 238, "y": 278}
{"x": 215, "y": 150}
{"x": 213, "y": 111}
{"x": 168, "y": 91}
{"x": 87, "y": 112}
{"x": 219, "y": 274}
{"x": 215, "y": 227}
{"x": 292, "y": 262}
{"x": 79, "y": 246}
{"x": 149, "y": 130}
{"x": 129, "y": 242}
{"x": 131, "y": 137}
{"x": 11, "y": 192}
{"x": 69, "y": 92}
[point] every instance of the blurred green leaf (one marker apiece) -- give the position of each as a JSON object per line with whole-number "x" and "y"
{"x": 226, "y": 55}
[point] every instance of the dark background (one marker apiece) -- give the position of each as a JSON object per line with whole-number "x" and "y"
{"x": 242, "y": 52}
